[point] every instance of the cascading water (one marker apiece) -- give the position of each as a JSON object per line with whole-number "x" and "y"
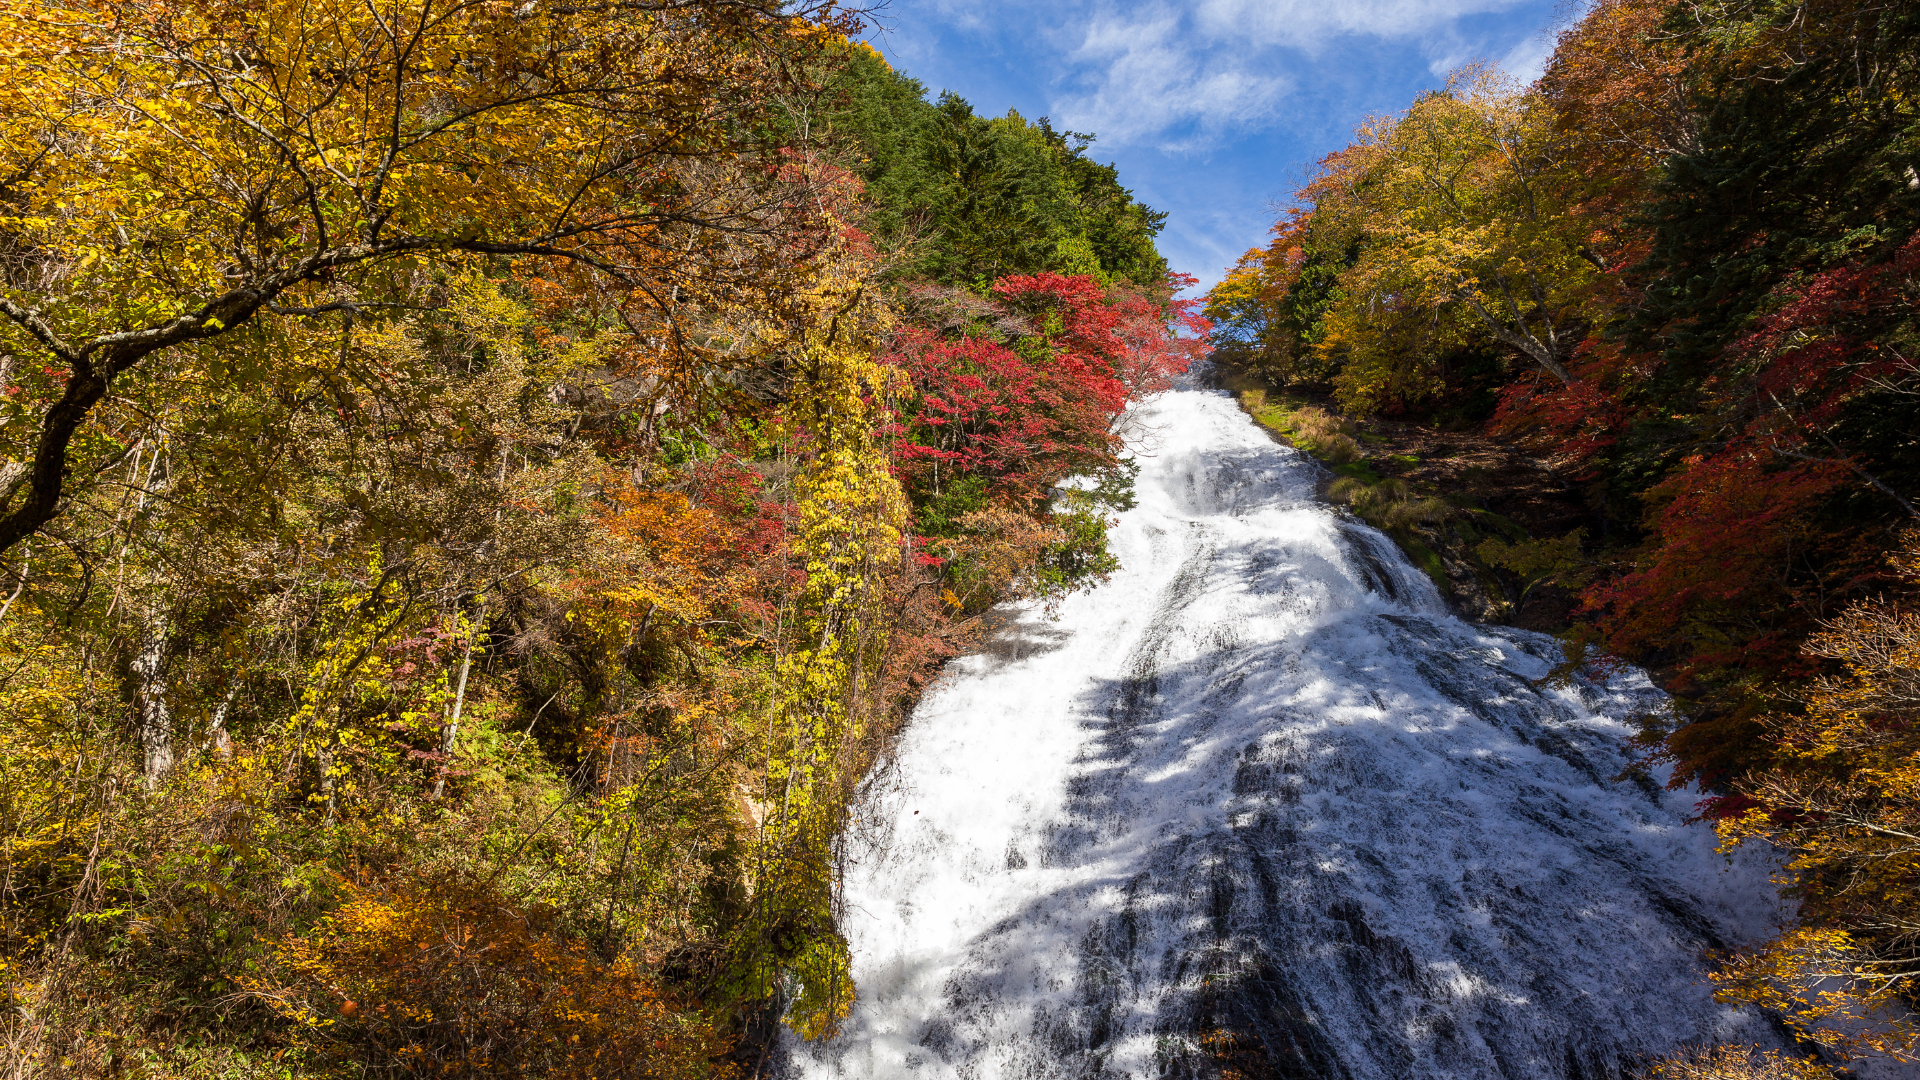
{"x": 1260, "y": 806}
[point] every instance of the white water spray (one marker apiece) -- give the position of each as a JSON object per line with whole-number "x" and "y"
{"x": 1260, "y": 804}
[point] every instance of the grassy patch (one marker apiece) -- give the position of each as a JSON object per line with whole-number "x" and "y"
{"x": 1391, "y": 505}
{"x": 1309, "y": 427}
{"x": 1429, "y": 495}
{"x": 1495, "y": 524}
{"x": 1422, "y": 556}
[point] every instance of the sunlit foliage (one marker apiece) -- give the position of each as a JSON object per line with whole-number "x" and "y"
{"x": 461, "y": 548}
{"x": 1680, "y": 269}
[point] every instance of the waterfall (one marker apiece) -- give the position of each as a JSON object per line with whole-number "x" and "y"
{"x": 1259, "y": 806}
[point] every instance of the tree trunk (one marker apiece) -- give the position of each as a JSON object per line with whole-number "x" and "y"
{"x": 152, "y": 718}
{"x": 1520, "y": 338}
{"x": 217, "y": 739}
{"x": 452, "y": 729}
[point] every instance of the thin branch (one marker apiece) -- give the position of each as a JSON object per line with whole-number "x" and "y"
{"x": 1857, "y": 471}
{"x": 26, "y": 554}
{"x": 31, "y": 321}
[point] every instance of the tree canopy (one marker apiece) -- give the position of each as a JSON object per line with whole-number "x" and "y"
{"x": 481, "y": 484}
{"x": 1678, "y": 270}
{"x": 971, "y": 198}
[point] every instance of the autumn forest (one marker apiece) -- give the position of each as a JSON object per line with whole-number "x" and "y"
{"x": 483, "y": 484}
{"x": 1678, "y": 273}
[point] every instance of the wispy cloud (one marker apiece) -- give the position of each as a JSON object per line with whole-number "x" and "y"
{"x": 1186, "y": 76}
{"x": 1526, "y": 60}
{"x": 1139, "y": 78}
{"x": 1307, "y": 24}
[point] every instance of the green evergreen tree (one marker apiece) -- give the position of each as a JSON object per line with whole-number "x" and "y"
{"x": 967, "y": 198}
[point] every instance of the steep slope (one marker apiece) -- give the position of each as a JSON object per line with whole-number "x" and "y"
{"x": 1259, "y": 803}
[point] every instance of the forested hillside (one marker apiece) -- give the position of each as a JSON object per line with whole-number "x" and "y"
{"x": 480, "y": 485}
{"x": 1680, "y": 270}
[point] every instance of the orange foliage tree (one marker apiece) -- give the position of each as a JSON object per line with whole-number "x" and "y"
{"x": 445, "y": 977}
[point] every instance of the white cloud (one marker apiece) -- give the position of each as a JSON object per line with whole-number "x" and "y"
{"x": 1183, "y": 77}
{"x": 1306, "y": 24}
{"x": 1143, "y": 79}
{"x": 1528, "y": 59}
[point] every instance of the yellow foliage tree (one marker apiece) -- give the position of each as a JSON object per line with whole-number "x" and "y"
{"x": 1842, "y": 800}
{"x": 1462, "y": 232}
{"x": 177, "y": 175}
{"x": 850, "y": 517}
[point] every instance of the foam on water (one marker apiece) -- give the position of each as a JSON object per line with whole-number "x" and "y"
{"x": 1260, "y": 802}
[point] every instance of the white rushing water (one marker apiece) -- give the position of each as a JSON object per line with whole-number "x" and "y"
{"x": 1260, "y": 804}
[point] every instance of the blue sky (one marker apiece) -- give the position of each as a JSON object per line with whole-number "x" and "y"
{"x": 1214, "y": 110}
